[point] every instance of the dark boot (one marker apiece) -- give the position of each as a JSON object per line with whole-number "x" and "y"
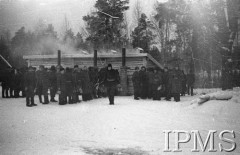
{"x": 40, "y": 98}
{"x": 46, "y": 100}
{"x": 28, "y": 102}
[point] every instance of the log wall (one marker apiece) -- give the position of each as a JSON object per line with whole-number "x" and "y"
{"x": 131, "y": 63}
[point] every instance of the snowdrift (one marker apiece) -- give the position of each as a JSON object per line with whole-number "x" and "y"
{"x": 233, "y": 95}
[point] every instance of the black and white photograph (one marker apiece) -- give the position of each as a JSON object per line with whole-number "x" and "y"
{"x": 119, "y": 77}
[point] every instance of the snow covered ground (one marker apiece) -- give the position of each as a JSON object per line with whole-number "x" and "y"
{"x": 129, "y": 127}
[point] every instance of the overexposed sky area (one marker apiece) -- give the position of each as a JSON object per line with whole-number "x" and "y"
{"x": 14, "y": 15}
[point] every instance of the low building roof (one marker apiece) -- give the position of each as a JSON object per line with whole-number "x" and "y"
{"x": 99, "y": 55}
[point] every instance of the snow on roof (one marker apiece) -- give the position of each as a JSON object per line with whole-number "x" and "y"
{"x": 99, "y": 55}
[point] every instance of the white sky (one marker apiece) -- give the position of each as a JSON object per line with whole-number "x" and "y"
{"x": 54, "y": 11}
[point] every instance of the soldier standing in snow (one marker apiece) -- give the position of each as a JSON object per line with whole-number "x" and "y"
{"x": 184, "y": 83}
{"x": 69, "y": 85}
{"x": 76, "y": 84}
{"x": 175, "y": 83}
{"x": 136, "y": 83}
{"x": 190, "y": 82}
{"x": 53, "y": 83}
{"x": 42, "y": 84}
{"x": 61, "y": 83}
{"x": 111, "y": 80}
{"x": 86, "y": 88}
{"x": 143, "y": 82}
{"x": 166, "y": 84}
{"x": 30, "y": 83}
{"x": 156, "y": 84}
{"x": 150, "y": 82}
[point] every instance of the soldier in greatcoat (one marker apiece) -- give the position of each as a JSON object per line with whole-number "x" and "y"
{"x": 156, "y": 84}
{"x": 143, "y": 82}
{"x": 42, "y": 84}
{"x": 30, "y": 84}
{"x": 61, "y": 83}
{"x": 190, "y": 82}
{"x": 175, "y": 82}
{"x": 69, "y": 85}
{"x": 77, "y": 88}
{"x": 150, "y": 82}
{"x": 136, "y": 83}
{"x": 111, "y": 80}
{"x": 86, "y": 87}
{"x": 53, "y": 83}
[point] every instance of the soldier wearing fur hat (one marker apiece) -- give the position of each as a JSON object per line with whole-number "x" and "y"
{"x": 111, "y": 81}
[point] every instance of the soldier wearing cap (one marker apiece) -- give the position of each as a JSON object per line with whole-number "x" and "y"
{"x": 61, "y": 83}
{"x": 156, "y": 84}
{"x": 143, "y": 82}
{"x": 76, "y": 84}
{"x": 30, "y": 83}
{"x": 42, "y": 84}
{"x": 136, "y": 83}
{"x": 175, "y": 82}
{"x": 53, "y": 83}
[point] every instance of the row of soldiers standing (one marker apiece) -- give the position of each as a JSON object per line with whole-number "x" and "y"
{"x": 12, "y": 82}
{"x": 69, "y": 84}
{"x": 155, "y": 83}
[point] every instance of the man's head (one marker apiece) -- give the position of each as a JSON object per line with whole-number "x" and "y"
{"x": 85, "y": 68}
{"x": 136, "y": 68}
{"x": 155, "y": 69}
{"x": 62, "y": 71}
{"x": 41, "y": 67}
{"x": 165, "y": 69}
{"x": 30, "y": 69}
{"x": 143, "y": 68}
{"x": 109, "y": 67}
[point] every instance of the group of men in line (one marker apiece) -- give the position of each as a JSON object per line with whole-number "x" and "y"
{"x": 68, "y": 83}
{"x": 155, "y": 83}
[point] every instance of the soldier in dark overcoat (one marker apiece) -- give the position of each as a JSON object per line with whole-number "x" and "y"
{"x": 42, "y": 84}
{"x": 150, "y": 82}
{"x": 184, "y": 84}
{"x": 190, "y": 82}
{"x": 77, "y": 88}
{"x": 16, "y": 80}
{"x": 166, "y": 84}
{"x": 86, "y": 87}
{"x": 69, "y": 85}
{"x": 30, "y": 83}
{"x": 61, "y": 83}
{"x": 136, "y": 83}
{"x": 101, "y": 92}
{"x": 111, "y": 81}
{"x": 53, "y": 83}
{"x": 176, "y": 85}
{"x": 143, "y": 82}
{"x": 156, "y": 84}
{"x": 5, "y": 79}
{"x": 93, "y": 74}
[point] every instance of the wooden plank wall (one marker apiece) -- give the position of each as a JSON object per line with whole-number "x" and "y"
{"x": 131, "y": 63}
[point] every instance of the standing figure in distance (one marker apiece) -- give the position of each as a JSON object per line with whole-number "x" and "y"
{"x": 30, "y": 83}
{"x": 111, "y": 80}
{"x": 136, "y": 83}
